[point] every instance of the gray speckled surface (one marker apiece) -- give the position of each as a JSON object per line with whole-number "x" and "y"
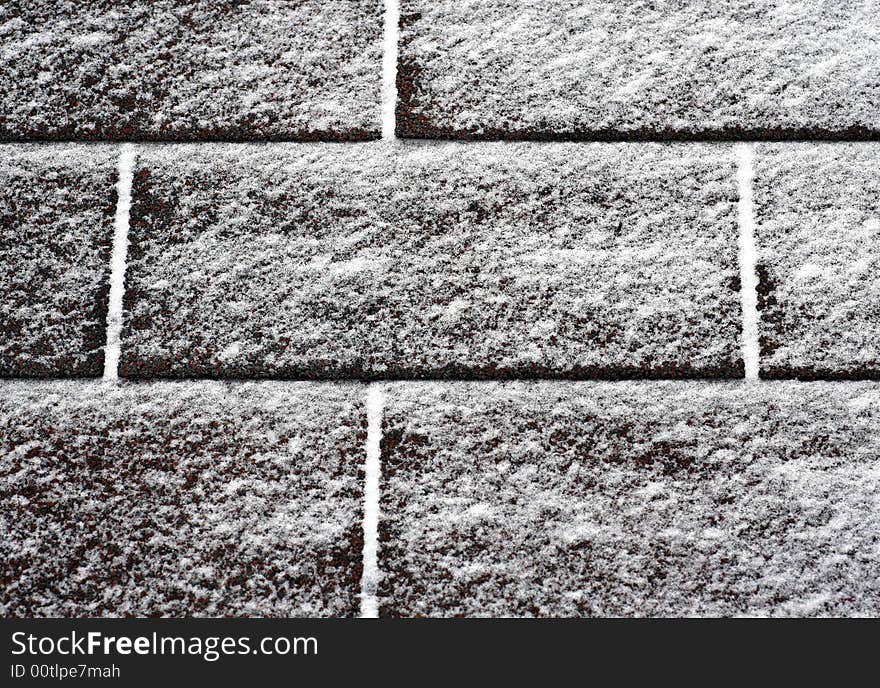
{"x": 631, "y": 499}
{"x": 604, "y": 68}
{"x": 433, "y": 260}
{"x": 180, "y": 499}
{"x": 182, "y": 70}
{"x": 56, "y": 226}
{"x": 817, "y": 209}
{"x": 271, "y": 238}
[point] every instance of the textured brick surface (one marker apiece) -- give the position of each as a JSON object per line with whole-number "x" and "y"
{"x": 175, "y": 69}
{"x": 603, "y": 68}
{"x": 544, "y": 287}
{"x": 180, "y": 499}
{"x": 424, "y": 260}
{"x": 663, "y": 498}
{"x": 817, "y": 213}
{"x": 56, "y": 225}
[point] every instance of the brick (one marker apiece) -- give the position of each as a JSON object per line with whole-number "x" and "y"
{"x": 183, "y": 70}
{"x": 631, "y": 499}
{"x": 817, "y": 210}
{"x": 567, "y": 69}
{"x": 383, "y": 261}
{"x": 56, "y": 225}
{"x": 180, "y": 499}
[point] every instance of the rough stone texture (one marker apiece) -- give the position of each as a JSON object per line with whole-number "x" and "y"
{"x": 180, "y": 499}
{"x": 56, "y": 226}
{"x": 424, "y": 260}
{"x": 817, "y": 211}
{"x": 607, "y": 69}
{"x": 631, "y": 499}
{"x": 184, "y": 70}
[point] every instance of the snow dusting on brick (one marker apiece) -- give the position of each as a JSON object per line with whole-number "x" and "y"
{"x": 818, "y": 214}
{"x": 56, "y": 227}
{"x": 424, "y": 260}
{"x": 202, "y": 499}
{"x": 609, "y": 350}
{"x": 182, "y": 70}
{"x": 609, "y": 69}
{"x": 631, "y": 499}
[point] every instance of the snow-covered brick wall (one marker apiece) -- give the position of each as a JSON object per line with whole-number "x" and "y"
{"x": 184, "y": 70}
{"x": 176, "y": 499}
{"x": 818, "y": 233}
{"x": 611, "y": 349}
{"x": 56, "y": 222}
{"x": 434, "y": 261}
{"x": 630, "y": 499}
{"x": 639, "y": 70}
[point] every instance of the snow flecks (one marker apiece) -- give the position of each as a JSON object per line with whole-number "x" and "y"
{"x": 230, "y": 352}
{"x": 690, "y": 498}
{"x": 246, "y": 65}
{"x": 389, "y": 68}
{"x": 547, "y": 263}
{"x": 748, "y": 257}
{"x": 56, "y": 227}
{"x": 373, "y": 468}
{"x": 819, "y": 233}
{"x": 117, "y": 262}
{"x": 583, "y": 69}
{"x": 272, "y": 527}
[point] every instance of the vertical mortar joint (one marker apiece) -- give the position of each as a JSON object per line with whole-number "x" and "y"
{"x": 389, "y": 68}
{"x": 372, "y": 473}
{"x": 748, "y": 259}
{"x": 118, "y": 259}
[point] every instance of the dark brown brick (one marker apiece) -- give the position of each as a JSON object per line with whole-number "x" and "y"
{"x": 817, "y": 210}
{"x": 180, "y": 499}
{"x": 190, "y": 70}
{"x": 57, "y": 204}
{"x": 598, "y": 70}
{"x": 433, "y": 261}
{"x": 631, "y": 499}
